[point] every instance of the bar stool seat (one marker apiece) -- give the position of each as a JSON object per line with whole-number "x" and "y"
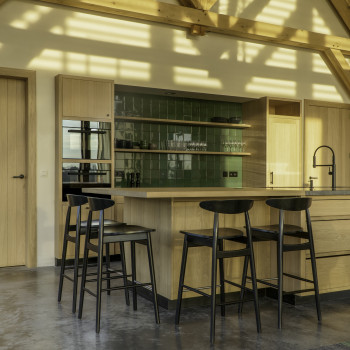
{"x": 215, "y": 238}
{"x": 277, "y": 233}
{"x": 79, "y": 229}
{"x": 113, "y": 234}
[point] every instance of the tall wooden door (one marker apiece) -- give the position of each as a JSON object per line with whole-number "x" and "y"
{"x": 283, "y": 151}
{"x": 12, "y": 171}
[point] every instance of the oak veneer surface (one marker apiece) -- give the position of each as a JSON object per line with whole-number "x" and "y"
{"x": 196, "y": 192}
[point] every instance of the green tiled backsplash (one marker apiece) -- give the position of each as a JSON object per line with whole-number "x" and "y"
{"x": 175, "y": 170}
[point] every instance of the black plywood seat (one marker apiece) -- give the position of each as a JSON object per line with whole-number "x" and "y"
{"x": 114, "y": 234}
{"x": 277, "y": 232}
{"x": 72, "y": 233}
{"x": 214, "y": 238}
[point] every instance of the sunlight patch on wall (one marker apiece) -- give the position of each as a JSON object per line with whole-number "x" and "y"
{"x": 325, "y": 92}
{"x": 135, "y": 70}
{"x": 30, "y": 17}
{"x": 223, "y": 7}
{"x": 86, "y": 64}
{"x": 318, "y": 24}
{"x": 241, "y": 6}
{"x": 105, "y": 29}
{"x": 195, "y": 77}
{"x": 246, "y": 52}
{"x": 319, "y": 65}
{"x": 283, "y": 58}
{"x": 1, "y": 45}
{"x": 277, "y": 11}
{"x": 267, "y": 86}
{"x": 184, "y": 45}
{"x": 47, "y": 59}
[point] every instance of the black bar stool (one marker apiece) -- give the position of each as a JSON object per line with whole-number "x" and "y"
{"x": 80, "y": 229}
{"x": 214, "y": 238}
{"x": 277, "y": 233}
{"x": 124, "y": 233}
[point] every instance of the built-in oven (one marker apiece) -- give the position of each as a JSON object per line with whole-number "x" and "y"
{"x": 86, "y": 139}
{"x": 76, "y": 176}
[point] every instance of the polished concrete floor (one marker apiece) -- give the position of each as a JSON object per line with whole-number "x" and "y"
{"x": 31, "y": 318}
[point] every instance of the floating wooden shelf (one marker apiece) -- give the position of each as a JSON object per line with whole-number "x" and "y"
{"x": 181, "y": 122}
{"x": 75, "y": 160}
{"x": 133, "y": 150}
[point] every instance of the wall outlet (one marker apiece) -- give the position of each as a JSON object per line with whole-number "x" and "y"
{"x": 225, "y": 174}
{"x": 233, "y": 173}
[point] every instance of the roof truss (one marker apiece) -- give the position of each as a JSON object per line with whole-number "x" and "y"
{"x": 198, "y": 4}
{"x": 200, "y": 22}
{"x": 342, "y": 7}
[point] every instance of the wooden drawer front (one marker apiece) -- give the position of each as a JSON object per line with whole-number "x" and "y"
{"x": 330, "y": 207}
{"x": 331, "y": 236}
{"x": 333, "y": 273}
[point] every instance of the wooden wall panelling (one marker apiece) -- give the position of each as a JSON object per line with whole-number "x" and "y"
{"x": 254, "y": 167}
{"x": 327, "y": 124}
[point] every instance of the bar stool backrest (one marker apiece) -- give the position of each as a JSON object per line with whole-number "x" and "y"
{"x": 76, "y": 200}
{"x": 96, "y": 204}
{"x": 291, "y": 204}
{"x": 236, "y": 206}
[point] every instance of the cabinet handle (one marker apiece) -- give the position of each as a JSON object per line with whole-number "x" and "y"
{"x": 271, "y": 178}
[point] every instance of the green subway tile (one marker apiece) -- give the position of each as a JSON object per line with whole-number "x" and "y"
{"x": 171, "y": 109}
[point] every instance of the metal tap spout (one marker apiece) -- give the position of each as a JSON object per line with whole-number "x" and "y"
{"x": 330, "y": 172}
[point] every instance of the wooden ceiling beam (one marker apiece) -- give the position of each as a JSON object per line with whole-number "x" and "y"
{"x": 340, "y": 67}
{"x": 342, "y": 7}
{"x": 151, "y": 10}
{"x": 198, "y": 4}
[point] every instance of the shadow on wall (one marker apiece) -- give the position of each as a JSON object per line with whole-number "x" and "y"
{"x": 58, "y": 40}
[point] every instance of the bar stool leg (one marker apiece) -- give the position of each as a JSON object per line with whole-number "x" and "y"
{"x": 83, "y": 278}
{"x": 255, "y": 290}
{"x": 315, "y": 279}
{"x": 243, "y": 284}
{"x": 76, "y": 268}
{"x": 133, "y": 274}
{"x": 125, "y": 280}
{"x": 63, "y": 267}
{"x": 99, "y": 286}
{"x": 181, "y": 280}
{"x": 222, "y": 279}
{"x": 213, "y": 294}
{"x": 280, "y": 280}
{"x": 152, "y": 275}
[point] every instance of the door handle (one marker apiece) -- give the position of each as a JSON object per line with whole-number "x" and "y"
{"x": 18, "y": 177}
{"x": 271, "y": 177}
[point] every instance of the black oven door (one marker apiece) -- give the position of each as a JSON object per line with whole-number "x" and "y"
{"x": 86, "y": 140}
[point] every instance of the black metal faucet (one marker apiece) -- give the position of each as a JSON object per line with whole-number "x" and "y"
{"x": 330, "y": 172}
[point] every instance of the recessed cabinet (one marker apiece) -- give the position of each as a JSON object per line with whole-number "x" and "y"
{"x": 86, "y": 98}
{"x": 84, "y": 147}
{"x": 275, "y": 143}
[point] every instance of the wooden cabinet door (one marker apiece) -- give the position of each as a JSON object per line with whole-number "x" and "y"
{"x": 85, "y": 98}
{"x": 283, "y": 151}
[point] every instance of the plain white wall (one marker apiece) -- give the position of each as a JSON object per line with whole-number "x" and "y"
{"x": 54, "y": 40}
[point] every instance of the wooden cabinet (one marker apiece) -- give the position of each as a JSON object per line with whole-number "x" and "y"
{"x": 283, "y": 151}
{"x": 86, "y": 98}
{"x": 80, "y": 99}
{"x": 274, "y": 141}
{"x": 327, "y": 123}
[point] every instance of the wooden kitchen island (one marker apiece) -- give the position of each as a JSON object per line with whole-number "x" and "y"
{"x": 170, "y": 210}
